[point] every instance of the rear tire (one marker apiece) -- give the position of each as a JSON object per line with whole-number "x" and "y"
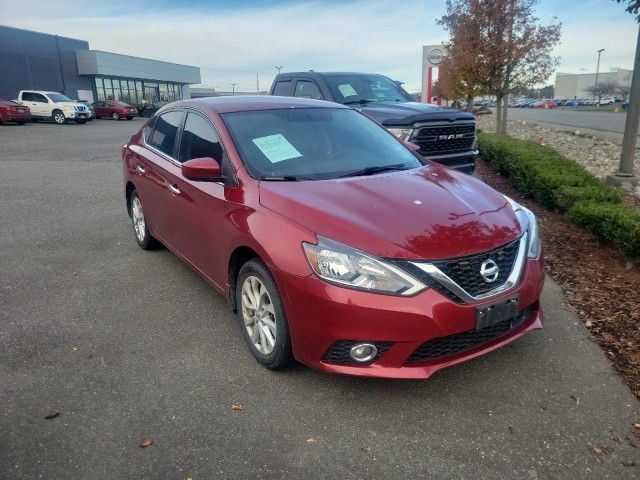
{"x": 262, "y": 317}
{"x": 115, "y": 116}
{"x": 140, "y": 228}
{"x": 58, "y": 117}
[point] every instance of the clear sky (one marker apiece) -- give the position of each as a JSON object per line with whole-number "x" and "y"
{"x": 233, "y": 40}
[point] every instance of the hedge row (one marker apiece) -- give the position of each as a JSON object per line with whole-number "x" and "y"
{"x": 557, "y": 182}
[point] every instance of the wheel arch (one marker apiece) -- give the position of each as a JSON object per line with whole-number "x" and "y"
{"x": 129, "y": 189}
{"x": 240, "y": 255}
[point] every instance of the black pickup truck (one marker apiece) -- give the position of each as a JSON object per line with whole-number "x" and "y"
{"x": 444, "y": 135}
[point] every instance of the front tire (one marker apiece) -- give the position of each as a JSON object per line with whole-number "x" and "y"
{"x": 58, "y": 117}
{"x": 262, "y": 317}
{"x": 115, "y": 116}
{"x": 81, "y": 121}
{"x": 140, "y": 228}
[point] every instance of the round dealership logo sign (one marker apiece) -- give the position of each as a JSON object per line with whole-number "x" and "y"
{"x": 435, "y": 56}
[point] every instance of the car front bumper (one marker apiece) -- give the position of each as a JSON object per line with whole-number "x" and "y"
{"x": 321, "y": 316}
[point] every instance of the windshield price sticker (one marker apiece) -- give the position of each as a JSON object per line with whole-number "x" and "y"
{"x": 276, "y": 148}
{"x": 347, "y": 90}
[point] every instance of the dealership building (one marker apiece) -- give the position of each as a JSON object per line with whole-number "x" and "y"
{"x": 572, "y": 85}
{"x": 40, "y": 61}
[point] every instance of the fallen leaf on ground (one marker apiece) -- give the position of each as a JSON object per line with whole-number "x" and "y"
{"x": 366, "y": 447}
{"x": 235, "y": 407}
{"x": 147, "y": 442}
{"x": 311, "y": 440}
{"x": 597, "y": 451}
{"x": 52, "y": 415}
{"x": 577, "y": 400}
{"x": 628, "y": 463}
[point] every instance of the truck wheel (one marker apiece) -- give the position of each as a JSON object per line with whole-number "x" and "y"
{"x": 58, "y": 117}
{"x": 81, "y": 121}
{"x": 115, "y": 116}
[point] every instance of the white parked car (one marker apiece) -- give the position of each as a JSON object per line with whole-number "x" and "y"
{"x": 53, "y": 105}
{"x": 607, "y": 100}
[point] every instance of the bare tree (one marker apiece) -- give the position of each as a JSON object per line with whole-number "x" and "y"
{"x": 603, "y": 88}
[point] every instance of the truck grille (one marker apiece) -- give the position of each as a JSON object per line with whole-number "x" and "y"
{"x": 442, "y": 139}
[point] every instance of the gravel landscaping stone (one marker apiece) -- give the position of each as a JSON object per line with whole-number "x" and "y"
{"x": 598, "y": 154}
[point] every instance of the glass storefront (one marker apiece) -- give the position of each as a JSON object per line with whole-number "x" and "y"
{"x": 137, "y": 92}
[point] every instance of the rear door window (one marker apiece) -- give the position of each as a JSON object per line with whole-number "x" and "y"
{"x": 283, "y": 88}
{"x": 308, "y": 89}
{"x": 165, "y": 132}
{"x": 27, "y": 97}
{"x": 36, "y": 97}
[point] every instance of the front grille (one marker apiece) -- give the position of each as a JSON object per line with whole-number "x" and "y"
{"x": 465, "y": 271}
{"x": 462, "y": 342}
{"x": 338, "y": 353}
{"x": 432, "y": 141}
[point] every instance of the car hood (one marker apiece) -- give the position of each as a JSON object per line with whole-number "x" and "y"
{"x": 430, "y": 212}
{"x": 70, "y": 104}
{"x": 408, "y": 113}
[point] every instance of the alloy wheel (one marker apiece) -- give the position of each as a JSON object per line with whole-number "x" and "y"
{"x": 259, "y": 315}
{"x": 58, "y": 117}
{"x": 137, "y": 215}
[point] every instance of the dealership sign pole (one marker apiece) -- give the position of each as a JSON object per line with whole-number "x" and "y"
{"x": 432, "y": 55}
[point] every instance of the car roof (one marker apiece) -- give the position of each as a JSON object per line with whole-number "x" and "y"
{"x": 246, "y": 103}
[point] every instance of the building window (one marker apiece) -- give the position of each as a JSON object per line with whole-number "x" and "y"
{"x": 99, "y": 89}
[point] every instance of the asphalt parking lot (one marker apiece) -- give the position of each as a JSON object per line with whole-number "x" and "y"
{"x": 127, "y": 345}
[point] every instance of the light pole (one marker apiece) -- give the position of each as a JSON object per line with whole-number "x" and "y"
{"x": 233, "y": 89}
{"x": 278, "y": 68}
{"x": 595, "y": 87}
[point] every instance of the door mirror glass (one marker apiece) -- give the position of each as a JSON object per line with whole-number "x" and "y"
{"x": 202, "y": 169}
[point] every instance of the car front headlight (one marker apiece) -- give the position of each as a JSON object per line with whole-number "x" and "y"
{"x": 533, "y": 248}
{"x": 403, "y": 134}
{"x": 349, "y": 267}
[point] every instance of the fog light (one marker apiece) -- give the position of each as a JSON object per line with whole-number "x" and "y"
{"x": 363, "y": 352}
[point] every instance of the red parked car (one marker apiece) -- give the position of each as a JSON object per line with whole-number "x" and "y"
{"x": 545, "y": 104}
{"x": 114, "y": 109}
{"x": 333, "y": 241}
{"x": 11, "y": 111}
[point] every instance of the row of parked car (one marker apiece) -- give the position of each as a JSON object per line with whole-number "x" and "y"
{"x": 32, "y": 105}
{"x": 567, "y": 102}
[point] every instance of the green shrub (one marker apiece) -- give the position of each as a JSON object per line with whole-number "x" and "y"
{"x": 616, "y": 223}
{"x": 555, "y": 181}
{"x": 567, "y": 196}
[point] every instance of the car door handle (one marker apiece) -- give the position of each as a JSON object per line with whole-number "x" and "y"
{"x": 173, "y": 189}
{"x": 140, "y": 169}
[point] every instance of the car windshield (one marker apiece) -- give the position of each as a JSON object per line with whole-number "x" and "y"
{"x": 58, "y": 97}
{"x": 351, "y": 89}
{"x": 314, "y": 144}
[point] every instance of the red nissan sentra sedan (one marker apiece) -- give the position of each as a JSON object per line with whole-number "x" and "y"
{"x": 333, "y": 241}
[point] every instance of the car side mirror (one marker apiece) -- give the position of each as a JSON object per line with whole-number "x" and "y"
{"x": 204, "y": 169}
{"x": 412, "y": 146}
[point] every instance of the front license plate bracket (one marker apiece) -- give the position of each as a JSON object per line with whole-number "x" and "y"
{"x": 494, "y": 313}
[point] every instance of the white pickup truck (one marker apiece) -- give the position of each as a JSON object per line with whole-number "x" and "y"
{"x": 54, "y": 106}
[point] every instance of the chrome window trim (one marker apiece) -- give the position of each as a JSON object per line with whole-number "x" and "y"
{"x": 513, "y": 279}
